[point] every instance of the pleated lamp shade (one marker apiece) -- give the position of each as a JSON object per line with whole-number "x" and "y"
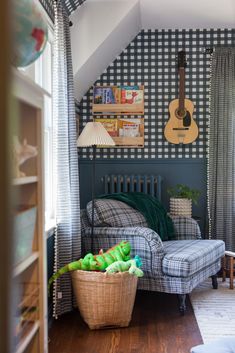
{"x": 94, "y": 134}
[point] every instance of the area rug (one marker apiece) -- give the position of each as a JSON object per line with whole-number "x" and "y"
{"x": 214, "y": 310}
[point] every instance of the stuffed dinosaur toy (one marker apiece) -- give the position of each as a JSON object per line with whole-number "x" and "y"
{"x": 132, "y": 266}
{"x": 119, "y": 252}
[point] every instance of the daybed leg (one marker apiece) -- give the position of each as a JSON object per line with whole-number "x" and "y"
{"x": 182, "y": 305}
{"x": 214, "y": 281}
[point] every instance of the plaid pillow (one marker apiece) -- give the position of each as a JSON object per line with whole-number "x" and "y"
{"x": 113, "y": 213}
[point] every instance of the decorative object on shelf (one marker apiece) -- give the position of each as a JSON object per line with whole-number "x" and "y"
{"x": 21, "y": 153}
{"x": 132, "y": 266}
{"x": 181, "y": 127}
{"x": 99, "y": 262}
{"x": 30, "y": 32}
{"x": 181, "y": 199}
{"x": 93, "y": 135}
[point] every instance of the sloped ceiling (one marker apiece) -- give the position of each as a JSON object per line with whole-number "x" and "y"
{"x": 100, "y": 31}
{"x": 103, "y": 28}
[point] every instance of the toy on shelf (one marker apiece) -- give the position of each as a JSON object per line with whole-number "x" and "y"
{"x": 132, "y": 266}
{"x": 21, "y": 153}
{"x": 119, "y": 252}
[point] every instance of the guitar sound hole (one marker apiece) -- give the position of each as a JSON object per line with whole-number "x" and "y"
{"x": 180, "y": 113}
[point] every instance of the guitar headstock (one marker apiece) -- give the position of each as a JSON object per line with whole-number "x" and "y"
{"x": 182, "y": 59}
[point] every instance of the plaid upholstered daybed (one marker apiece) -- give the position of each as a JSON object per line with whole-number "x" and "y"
{"x": 175, "y": 266}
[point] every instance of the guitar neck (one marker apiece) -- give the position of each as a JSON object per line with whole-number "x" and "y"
{"x": 181, "y": 88}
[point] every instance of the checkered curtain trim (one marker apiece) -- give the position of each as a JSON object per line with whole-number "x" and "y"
{"x": 69, "y": 5}
{"x": 151, "y": 60}
{"x": 68, "y": 234}
{"x": 48, "y": 7}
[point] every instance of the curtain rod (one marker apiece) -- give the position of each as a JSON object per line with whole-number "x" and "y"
{"x": 208, "y": 50}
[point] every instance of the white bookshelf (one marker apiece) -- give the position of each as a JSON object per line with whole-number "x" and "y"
{"x": 29, "y": 275}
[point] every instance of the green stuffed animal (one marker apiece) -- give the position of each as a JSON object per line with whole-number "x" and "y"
{"x": 132, "y": 266}
{"x": 119, "y": 252}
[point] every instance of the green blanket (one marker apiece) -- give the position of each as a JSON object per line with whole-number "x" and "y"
{"x": 152, "y": 209}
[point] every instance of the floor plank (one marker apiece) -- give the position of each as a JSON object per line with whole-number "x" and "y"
{"x": 156, "y": 327}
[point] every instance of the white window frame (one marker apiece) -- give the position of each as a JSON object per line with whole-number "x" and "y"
{"x": 39, "y": 72}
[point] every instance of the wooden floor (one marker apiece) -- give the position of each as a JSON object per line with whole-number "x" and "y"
{"x": 156, "y": 327}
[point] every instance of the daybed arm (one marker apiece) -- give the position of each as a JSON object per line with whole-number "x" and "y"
{"x": 186, "y": 228}
{"x": 144, "y": 242}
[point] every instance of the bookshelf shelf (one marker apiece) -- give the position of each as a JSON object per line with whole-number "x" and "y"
{"x": 120, "y": 110}
{"x": 25, "y": 180}
{"x": 135, "y": 105}
{"x": 21, "y": 267}
{"x": 25, "y": 341}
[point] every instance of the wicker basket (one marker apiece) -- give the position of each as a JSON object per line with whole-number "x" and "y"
{"x": 180, "y": 207}
{"x": 105, "y": 300}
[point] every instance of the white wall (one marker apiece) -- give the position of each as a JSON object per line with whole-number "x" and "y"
{"x": 100, "y": 31}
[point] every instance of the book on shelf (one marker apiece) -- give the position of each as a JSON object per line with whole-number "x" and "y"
{"x": 130, "y": 127}
{"x": 103, "y": 95}
{"x": 111, "y": 125}
{"x": 132, "y": 96}
{"x": 118, "y": 127}
{"x": 117, "y": 94}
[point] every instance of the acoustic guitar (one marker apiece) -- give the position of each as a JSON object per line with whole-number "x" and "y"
{"x": 181, "y": 127}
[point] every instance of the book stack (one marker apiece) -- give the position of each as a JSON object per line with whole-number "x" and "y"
{"x": 103, "y": 95}
{"x": 118, "y": 95}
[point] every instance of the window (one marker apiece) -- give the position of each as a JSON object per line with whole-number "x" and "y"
{"x": 41, "y": 72}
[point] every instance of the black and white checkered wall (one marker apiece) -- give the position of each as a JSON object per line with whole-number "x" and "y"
{"x": 151, "y": 60}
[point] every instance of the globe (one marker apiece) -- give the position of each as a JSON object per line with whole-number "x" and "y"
{"x": 29, "y": 32}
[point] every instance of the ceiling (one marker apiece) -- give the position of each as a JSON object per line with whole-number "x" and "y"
{"x": 187, "y": 14}
{"x": 167, "y": 14}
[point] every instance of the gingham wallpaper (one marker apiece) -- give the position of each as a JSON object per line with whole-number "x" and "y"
{"x": 151, "y": 59}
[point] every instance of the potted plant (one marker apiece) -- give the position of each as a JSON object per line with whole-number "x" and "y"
{"x": 181, "y": 199}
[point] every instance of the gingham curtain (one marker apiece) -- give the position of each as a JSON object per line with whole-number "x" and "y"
{"x": 69, "y": 5}
{"x": 68, "y": 234}
{"x": 221, "y": 159}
